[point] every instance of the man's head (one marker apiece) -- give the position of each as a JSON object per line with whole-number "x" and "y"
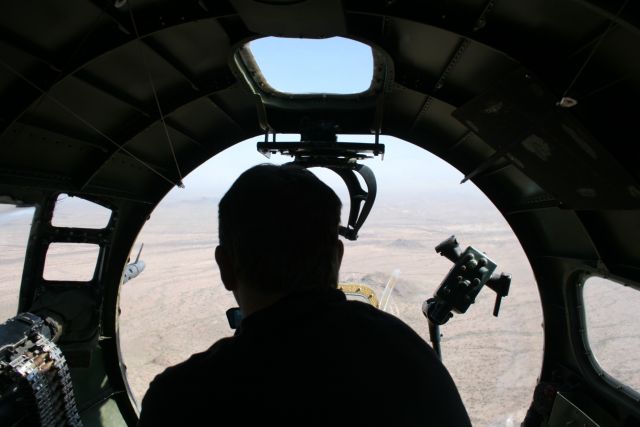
{"x": 278, "y": 231}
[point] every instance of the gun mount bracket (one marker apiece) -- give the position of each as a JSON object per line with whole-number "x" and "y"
{"x": 321, "y": 149}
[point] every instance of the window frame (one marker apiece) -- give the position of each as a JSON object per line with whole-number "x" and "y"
{"x": 594, "y": 366}
{"x": 245, "y": 66}
{"x": 92, "y": 278}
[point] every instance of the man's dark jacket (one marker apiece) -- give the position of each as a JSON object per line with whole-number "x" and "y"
{"x": 311, "y": 359}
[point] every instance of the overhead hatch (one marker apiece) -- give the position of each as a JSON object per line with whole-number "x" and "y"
{"x": 334, "y": 65}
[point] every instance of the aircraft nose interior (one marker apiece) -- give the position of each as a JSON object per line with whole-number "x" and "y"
{"x": 115, "y": 102}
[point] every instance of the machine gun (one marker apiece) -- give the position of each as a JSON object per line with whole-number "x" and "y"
{"x": 472, "y": 270}
{"x": 35, "y": 384}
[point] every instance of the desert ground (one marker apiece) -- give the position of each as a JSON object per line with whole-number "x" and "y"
{"x": 177, "y": 306}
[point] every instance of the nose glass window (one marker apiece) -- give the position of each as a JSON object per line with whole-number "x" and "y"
{"x": 177, "y": 305}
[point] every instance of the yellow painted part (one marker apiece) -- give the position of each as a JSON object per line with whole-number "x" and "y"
{"x": 362, "y": 290}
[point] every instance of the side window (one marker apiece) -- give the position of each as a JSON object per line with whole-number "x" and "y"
{"x": 80, "y": 213}
{"x": 612, "y": 321}
{"x": 71, "y": 261}
{"x": 15, "y": 224}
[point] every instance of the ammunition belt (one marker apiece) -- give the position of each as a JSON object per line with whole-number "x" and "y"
{"x": 37, "y": 367}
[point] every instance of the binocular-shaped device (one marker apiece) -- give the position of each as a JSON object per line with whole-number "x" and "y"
{"x": 471, "y": 271}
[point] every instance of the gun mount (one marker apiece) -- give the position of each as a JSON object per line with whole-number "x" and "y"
{"x": 318, "y": 147}
{"x": 471, "y": 271}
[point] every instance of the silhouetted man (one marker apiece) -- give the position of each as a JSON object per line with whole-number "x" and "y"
{"x": 303, "y": 354}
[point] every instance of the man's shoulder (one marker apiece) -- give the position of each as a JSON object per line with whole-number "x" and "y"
{"x": 210, "y": 359}
{"x": 376, "y": 318}
{"x": 197, "y": 369}
{"x": 369, "y": 326}
{"x": 185, "y": 383}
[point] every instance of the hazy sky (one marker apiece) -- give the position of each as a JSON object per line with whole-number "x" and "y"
{"x": 334, "y": 65}
{"x": 404, "y": 170}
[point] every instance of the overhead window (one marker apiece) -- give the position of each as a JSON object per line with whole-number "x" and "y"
{"x": 312, "y": 66}
{"x": 612, "y": 322}
{"x": 74, "y": 262}
{"x": 80, "y": 213}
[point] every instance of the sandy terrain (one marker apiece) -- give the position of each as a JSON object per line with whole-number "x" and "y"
{"x": 176, "y": 307}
